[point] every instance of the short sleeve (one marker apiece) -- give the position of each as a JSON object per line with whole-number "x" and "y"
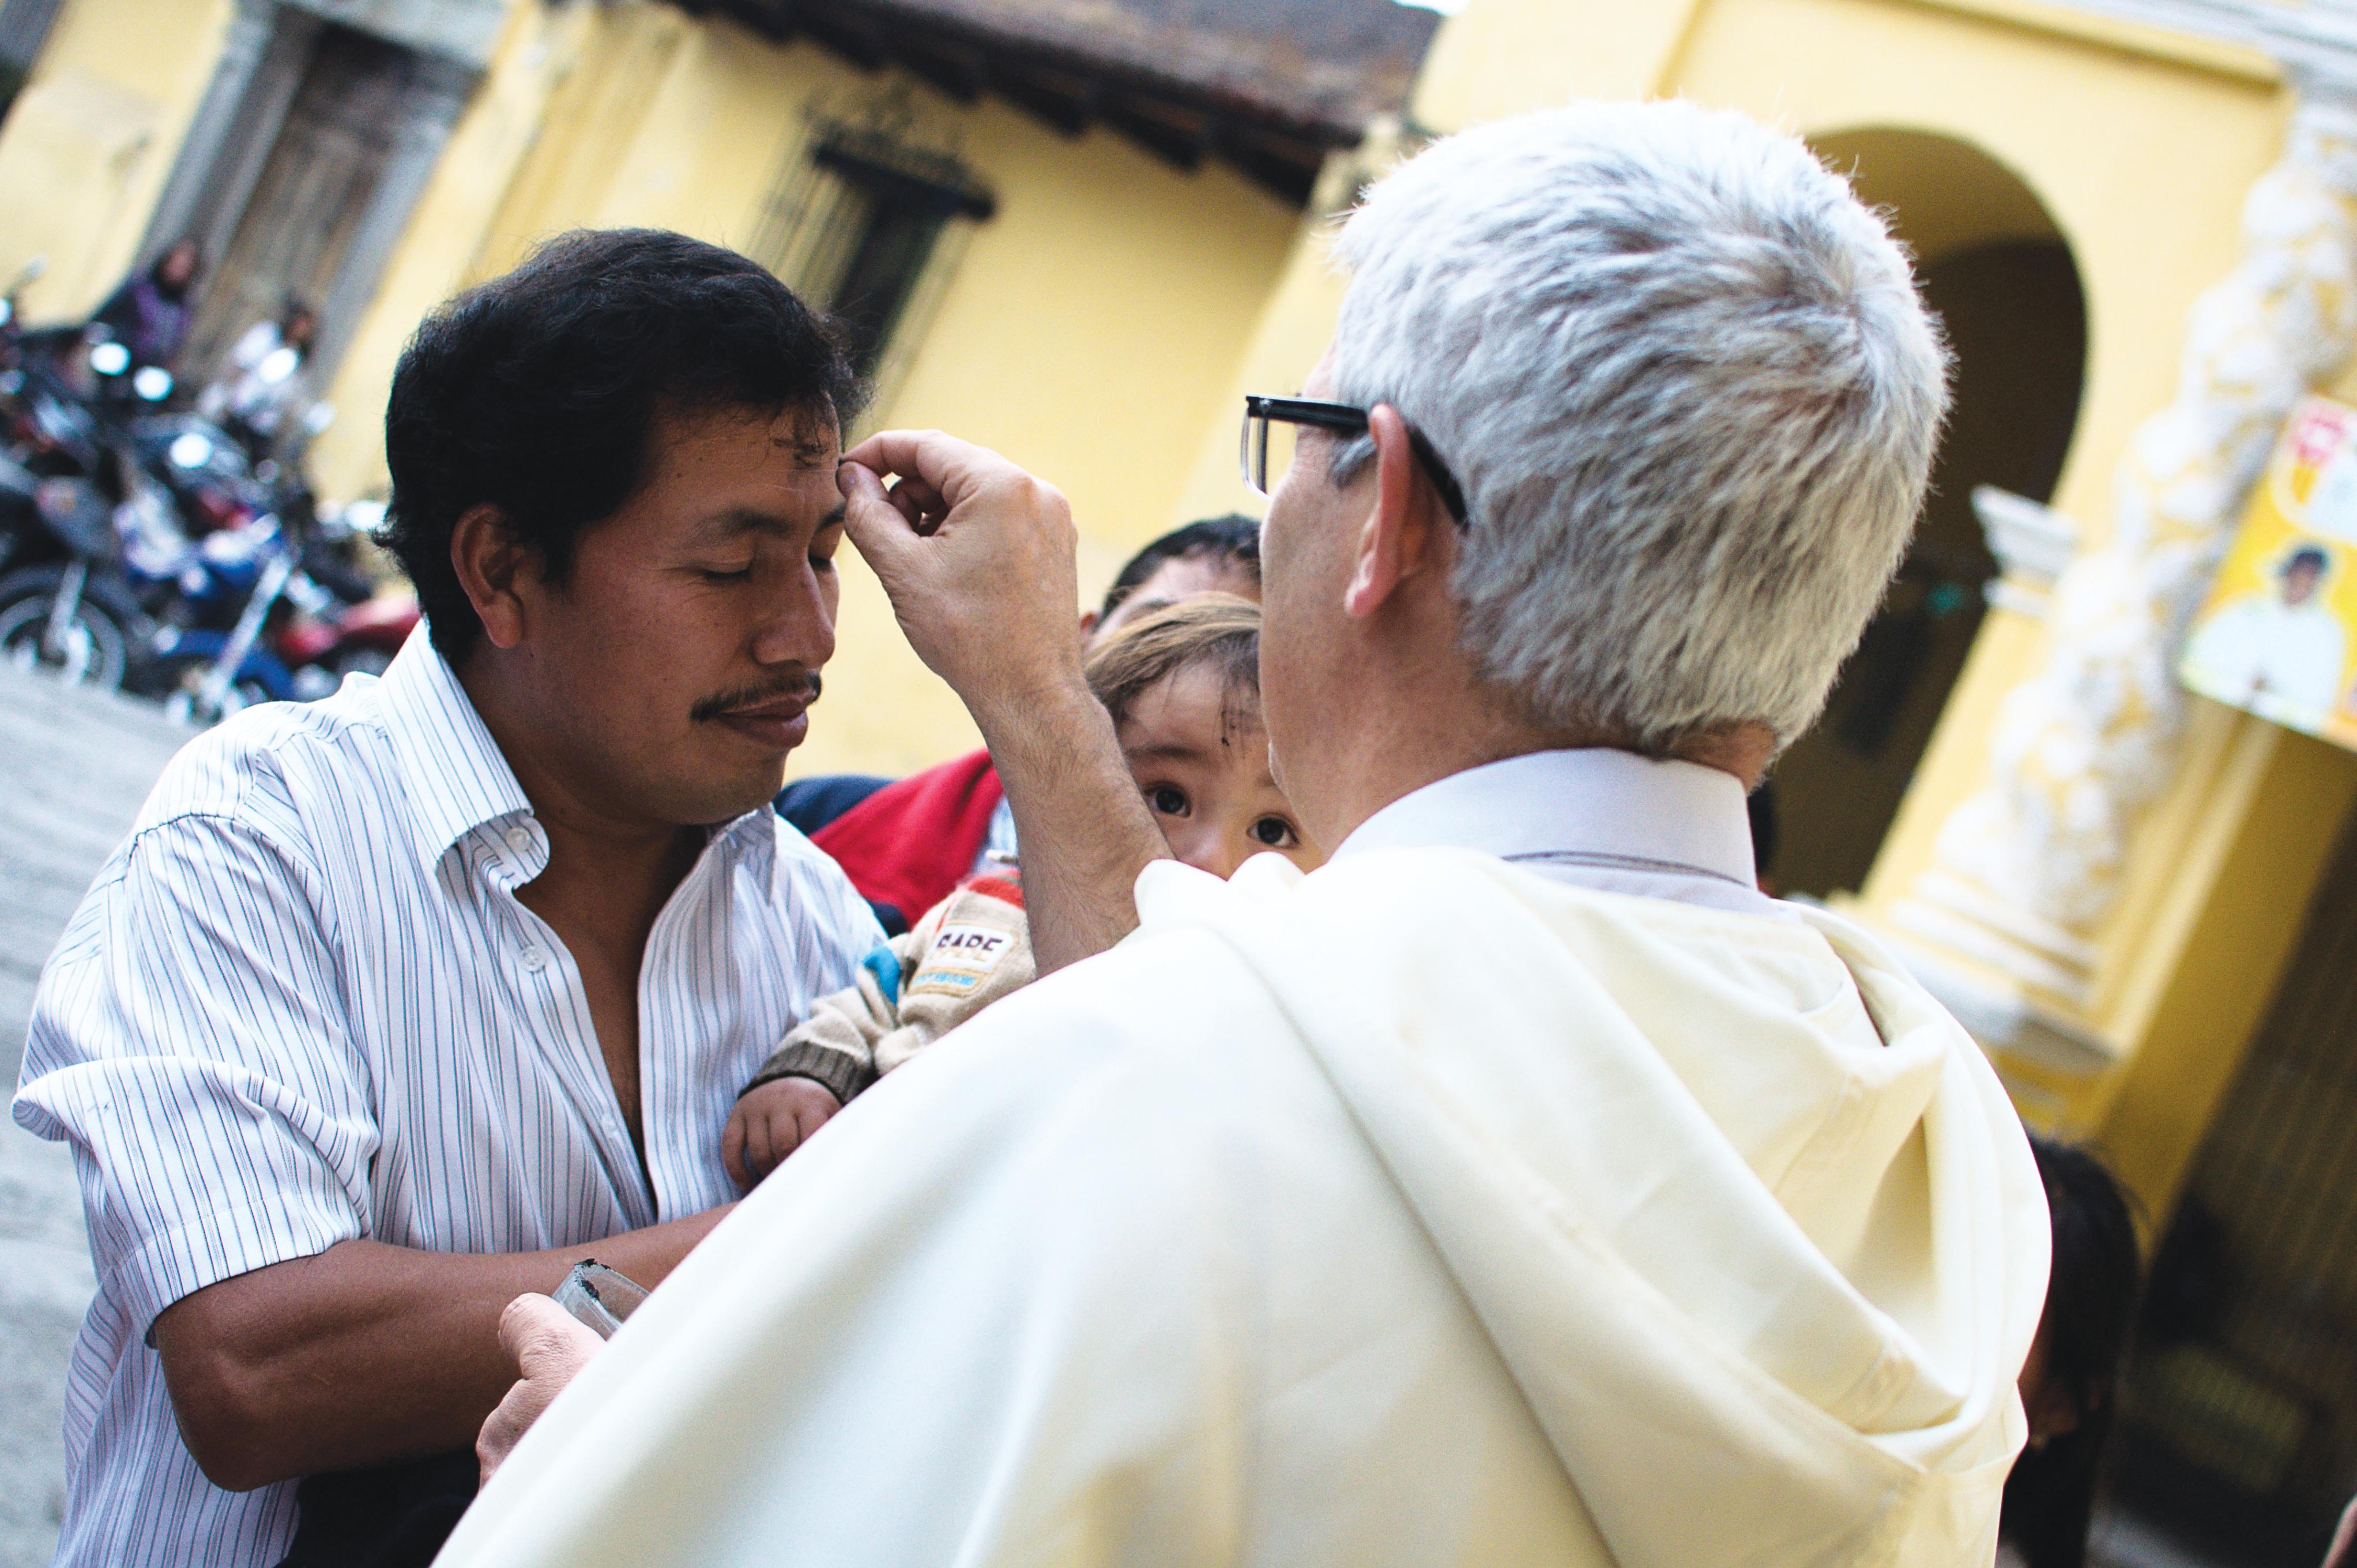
{"x": 189, "y": 1040}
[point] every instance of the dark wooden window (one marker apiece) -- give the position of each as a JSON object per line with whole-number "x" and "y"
{"x": 857, "y": 223}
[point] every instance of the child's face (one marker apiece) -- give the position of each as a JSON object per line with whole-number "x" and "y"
{"x": 1206, "y": 780}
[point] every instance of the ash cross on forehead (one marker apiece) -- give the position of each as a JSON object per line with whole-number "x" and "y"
{"x": 810, "y": 435}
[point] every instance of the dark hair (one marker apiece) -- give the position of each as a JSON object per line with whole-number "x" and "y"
{"x": 538, "y": 392}
{"x": 2091, "y": 1298}
{"x": 1234, "y": 539}
{"x": 1218, "y": 631}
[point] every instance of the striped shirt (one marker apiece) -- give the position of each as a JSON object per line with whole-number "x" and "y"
{"x": 302, "y": 1003}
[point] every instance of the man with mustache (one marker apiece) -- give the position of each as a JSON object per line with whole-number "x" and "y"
{"x": 398, "y": 1004}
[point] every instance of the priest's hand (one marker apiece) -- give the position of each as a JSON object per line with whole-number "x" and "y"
{"x": 549, "y": 1348}
{"x": 977, "y": 556}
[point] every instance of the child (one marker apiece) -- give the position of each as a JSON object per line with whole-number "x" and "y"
{"x": 1183, "y": 687}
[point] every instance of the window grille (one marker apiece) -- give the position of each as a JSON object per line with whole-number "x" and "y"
{"x": 866, "y": 221}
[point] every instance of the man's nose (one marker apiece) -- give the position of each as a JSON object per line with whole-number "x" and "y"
{"x": 797, "y": 627}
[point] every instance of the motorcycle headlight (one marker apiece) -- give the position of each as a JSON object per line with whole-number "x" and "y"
{"x": 110, "y": 359}
{"x": 153, "y": 383}
{"x": 189, "y": 450}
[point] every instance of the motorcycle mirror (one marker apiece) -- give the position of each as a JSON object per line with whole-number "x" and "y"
{"x": 189, "y": 450}
{"x": 110, "y": 359}
{"x": 153, "y": 383}
{"x": 318, "y": 417}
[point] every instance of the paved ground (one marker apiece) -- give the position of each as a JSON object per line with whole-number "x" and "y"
{"x": 73, "y": 768}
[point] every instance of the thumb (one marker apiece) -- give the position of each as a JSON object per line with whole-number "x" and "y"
{"x": 534, "y": 1332}
{"x": 877, "y": 527}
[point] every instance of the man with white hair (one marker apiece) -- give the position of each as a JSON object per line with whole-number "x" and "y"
{"x": 1522, "y": 1187}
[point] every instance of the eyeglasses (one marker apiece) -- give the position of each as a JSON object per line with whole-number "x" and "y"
{"x": 1272, "y": 426}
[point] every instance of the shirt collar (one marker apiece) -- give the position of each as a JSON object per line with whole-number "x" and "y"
{"x": 456, "y": 777}
{"x": 1681, "y": 818}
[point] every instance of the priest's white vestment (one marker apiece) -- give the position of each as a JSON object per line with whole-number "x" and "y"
{"x": 1429, "y": 1210}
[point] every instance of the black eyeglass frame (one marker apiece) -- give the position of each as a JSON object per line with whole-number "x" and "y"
{"x": 1343, "y": 418}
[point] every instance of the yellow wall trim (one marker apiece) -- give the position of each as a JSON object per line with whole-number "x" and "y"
{"x": 2118, "y": 33}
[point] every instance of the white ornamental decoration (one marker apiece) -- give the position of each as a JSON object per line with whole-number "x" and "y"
{"x": 2035, "y": 858}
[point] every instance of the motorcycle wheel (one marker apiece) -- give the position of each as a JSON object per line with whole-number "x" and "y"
{"x": 96, "y": 648}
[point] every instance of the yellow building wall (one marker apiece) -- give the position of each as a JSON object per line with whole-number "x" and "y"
{"x": 1089, "y": 330}
{"x": 87, "y": 144}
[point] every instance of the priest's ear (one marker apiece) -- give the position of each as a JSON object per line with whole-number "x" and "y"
{"x": 1406, "y": 533}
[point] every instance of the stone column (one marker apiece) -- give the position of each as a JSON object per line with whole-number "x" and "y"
{"x": 236, "y": 123}
{"x": 24, "y": 28}
{"x": 2028, "y": 868}
{"x": 437, "y": 95}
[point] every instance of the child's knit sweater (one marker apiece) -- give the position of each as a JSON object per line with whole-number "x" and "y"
{"x": 972, "y": 949}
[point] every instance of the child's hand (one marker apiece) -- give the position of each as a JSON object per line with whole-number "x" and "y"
{"x": 771, "y": 1122}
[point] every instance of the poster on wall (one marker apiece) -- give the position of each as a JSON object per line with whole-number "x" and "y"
{"x": 2280, "y": 630}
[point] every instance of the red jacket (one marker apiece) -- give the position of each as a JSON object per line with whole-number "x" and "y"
{"x": 911, "y": 842}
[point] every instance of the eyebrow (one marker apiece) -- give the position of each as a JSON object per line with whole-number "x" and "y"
{"x": 739, "y": 521}
{"x": 1164, "y": 751}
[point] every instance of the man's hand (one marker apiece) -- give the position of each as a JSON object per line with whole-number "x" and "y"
{"x": 549, "y": 1349}
{"x": 771, "y": 1122}
{"x": 977, "y": 556}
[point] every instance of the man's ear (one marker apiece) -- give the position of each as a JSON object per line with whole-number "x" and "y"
{"x": 1089, "y": 620}
{"x": 1398, "y": 538}
{"x": 492, "y": 564}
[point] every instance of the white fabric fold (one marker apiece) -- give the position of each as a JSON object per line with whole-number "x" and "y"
{"x": 1422, "y": 1210}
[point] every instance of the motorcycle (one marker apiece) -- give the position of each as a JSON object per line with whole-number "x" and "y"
{"x": 294, "y": 639}
{"x": 72, "y": 613}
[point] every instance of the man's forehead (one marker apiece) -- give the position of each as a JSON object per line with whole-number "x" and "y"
{"x": 724, "y": 472}
{"x": 806, "y": 435}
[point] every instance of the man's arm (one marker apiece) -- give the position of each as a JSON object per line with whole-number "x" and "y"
{"x": 977, "y": 556}
{"x": 366, "y": 1352}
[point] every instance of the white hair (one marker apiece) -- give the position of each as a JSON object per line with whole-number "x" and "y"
{"x": 1684, "y": 378}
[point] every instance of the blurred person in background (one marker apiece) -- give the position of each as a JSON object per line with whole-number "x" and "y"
{"x": 150, "y": 311}
{"x": 267, "y": 378}
{"x": 2070, "y": 1385}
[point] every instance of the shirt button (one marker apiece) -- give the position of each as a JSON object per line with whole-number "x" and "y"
{"x": 536, "y": 959}
{"x": 519, "y": 840}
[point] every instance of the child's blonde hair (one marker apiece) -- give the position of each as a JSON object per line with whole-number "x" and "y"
{"x": 1218, "y": 631}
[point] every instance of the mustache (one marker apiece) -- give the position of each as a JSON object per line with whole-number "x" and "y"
{"x": 804, "y": 684}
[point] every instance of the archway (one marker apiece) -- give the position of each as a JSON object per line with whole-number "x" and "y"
{"x": 1997, "y": 269}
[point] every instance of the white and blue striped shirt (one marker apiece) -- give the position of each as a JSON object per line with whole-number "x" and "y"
{"x": 302, "y": 1003}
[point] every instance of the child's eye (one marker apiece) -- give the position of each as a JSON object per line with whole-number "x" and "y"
{"x": 1167, "y": 800}
{"x": 1275, "y": 832}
